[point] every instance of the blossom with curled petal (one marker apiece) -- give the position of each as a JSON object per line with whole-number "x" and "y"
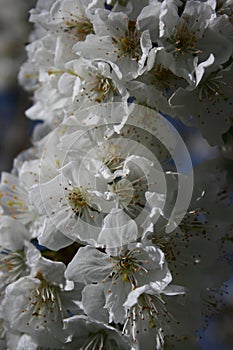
{"x": 160, "y": 80}
{"x": 117, "y": 41}
{"x": 192, "y": 36}
{"x": 188, "y": 32}
{"x": 133, "y": 266}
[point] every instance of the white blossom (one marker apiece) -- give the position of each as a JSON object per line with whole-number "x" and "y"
{"x": 133, "y": 266}
{"x": 117, "y": 41}
{"x": 38, "y": 302}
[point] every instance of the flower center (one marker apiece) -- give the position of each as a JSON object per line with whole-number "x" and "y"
{"x": 111, "y": 156}
{"x": 113, "y": 163}
{"x": 162, "y": 76}
{"x": 45, "y": 302}
{"x": 126, "y": 266}
{"x": 129, "y": 44}
{"x": 124, "y": 191}
{"x": 183, "y": 41}
{"x": 12, "y": 265}
{"x": 80, "y": 28}
{"x": 16, "y": 207}
{"x": 77, "y": 199}
{"x": 210, "y": 88}
{"x": 104, "y": 88}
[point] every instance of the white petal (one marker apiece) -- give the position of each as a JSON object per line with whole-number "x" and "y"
{"x": 118, "y": 229}
{"x": 89, "y": 265}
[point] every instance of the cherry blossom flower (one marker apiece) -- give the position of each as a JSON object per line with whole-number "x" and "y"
{"x": 133, "y": 266}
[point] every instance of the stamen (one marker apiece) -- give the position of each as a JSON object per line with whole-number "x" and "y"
{"x": 163, "y": 78}
{"x": 80, "y": 27}
{"x": 129, "y": 45}
{"x": 149, "y": 312}
{"x": 184, "y": 42}
{"x": 12, "y": 265}
{"x": 45, "y": 303}
{"x": 99, "y": 341}
{"x": 80, "y": 202}
{"x": 210, "y": 88}
{"x": 127, "y": 265}
{"x": 103, "y": 88}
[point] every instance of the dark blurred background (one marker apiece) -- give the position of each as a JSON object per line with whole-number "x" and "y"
{"x": 14, "y": 34}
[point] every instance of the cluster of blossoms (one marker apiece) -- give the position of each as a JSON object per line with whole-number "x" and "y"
{"x": 108, "y": 238}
